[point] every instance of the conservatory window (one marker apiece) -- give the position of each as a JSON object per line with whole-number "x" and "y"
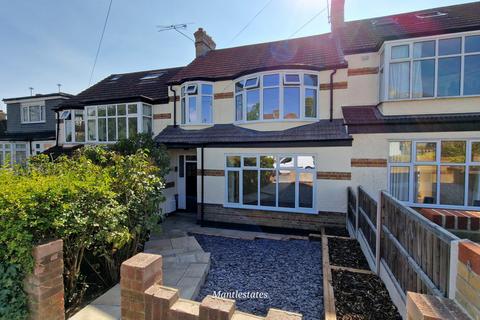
{"x": 197, "y": 103}
{"x": 440, "y": 173}
{"x": 277, "y": 96}
{"x": 271, "y": 182}
{"x": 439, "y": 67}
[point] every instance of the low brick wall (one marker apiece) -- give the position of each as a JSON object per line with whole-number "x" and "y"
{"x": 468, "y": 278}
{"x": 277, "y": 219}
{"x": 44, "y": 285}
{"x": 144, "y": 298}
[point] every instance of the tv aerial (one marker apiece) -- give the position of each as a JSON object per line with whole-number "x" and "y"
{"x": 177, "y": 28}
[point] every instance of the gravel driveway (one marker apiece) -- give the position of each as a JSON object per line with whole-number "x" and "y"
{"x": 288, "y": 273}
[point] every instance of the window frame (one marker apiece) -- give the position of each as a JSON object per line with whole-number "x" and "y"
{"x": 185, "y": 94}
{"x": 281, "y": 86}
{"x": 27, "y": 107}
{"x": 387, "y": 60}
{"x": 438, "y": 164}
{"x": 12, "y": 150}
{"x": 277, "y": 169}
{"x": 138, "y": 115}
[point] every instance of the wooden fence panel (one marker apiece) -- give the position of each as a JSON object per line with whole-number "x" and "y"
{"x": 367, "y": 218}
{"x": 416, "y": 250}
{"x": 352, "y": 208}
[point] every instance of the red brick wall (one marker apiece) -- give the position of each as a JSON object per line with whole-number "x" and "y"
{"x": 45, "y": 285}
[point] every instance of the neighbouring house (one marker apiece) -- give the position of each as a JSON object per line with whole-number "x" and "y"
{"x": 272, "y": 134}
{"x": 30, "y": 127}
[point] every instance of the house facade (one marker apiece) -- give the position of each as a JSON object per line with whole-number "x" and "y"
{"x": 272, "y": 134}
{"x": 30, "y": 126}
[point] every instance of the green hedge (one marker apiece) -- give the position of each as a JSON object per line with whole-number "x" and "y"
{"x": 101, "y": 203}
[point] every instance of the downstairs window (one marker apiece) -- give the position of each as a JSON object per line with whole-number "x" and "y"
{"x": 272, "y": 182}
{"x": 432, "y": 173}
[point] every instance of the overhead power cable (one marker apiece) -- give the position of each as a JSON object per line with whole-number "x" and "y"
{"x": 250, "y": 22}
{"x": 308, "y": 22}
{"x": 100, "y": 42}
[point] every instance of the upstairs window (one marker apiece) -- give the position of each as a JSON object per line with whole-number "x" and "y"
{"x": 277, "y": 96}
{"x": 197, "y": 103}
{"x": 108, "y": 123}
{"x": 436, "y": 67}
{"x": 33, "y": 114}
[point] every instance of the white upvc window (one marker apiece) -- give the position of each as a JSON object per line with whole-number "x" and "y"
{"x": 435, "y": 173}
{"x": 196, "y": 103}
{"x": 13, "y": 153}
{"x": 33, "y": 114}
{"x": 108, "y": 123}
{"x": 271, "y": 182}
{"x": 277, "y": 96}
{"x": 431, "y": 67}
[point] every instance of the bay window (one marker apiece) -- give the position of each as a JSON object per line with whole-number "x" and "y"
{"x": 439, "y": 173}
{"x": 271, "y": 182}
{"x": 276, "y": 96}
{"x": 107, "y": 123}
{"x": 196, "y": 103}
{"x": 32, "y": 114}
{"x": 431, "y": 67}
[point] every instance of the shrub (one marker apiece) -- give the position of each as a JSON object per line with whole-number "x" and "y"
{"x": 102, "y": 204}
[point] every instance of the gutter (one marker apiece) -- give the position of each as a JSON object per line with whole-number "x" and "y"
{"x": 174, "y": 107}
{"x": 331, "y": 94}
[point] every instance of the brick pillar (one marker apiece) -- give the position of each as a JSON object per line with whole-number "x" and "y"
{"x": 137, "y": 274}
{"x": 159, "y": 300}
{"x": 428, "y": 307}
{"x": 45, "y": 285}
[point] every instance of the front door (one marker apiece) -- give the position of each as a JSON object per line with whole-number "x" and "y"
{"x": 191, "y": 186}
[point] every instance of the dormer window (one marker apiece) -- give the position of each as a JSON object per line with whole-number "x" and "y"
{"x": 277, "y": 96}
{"x": 197, "y": 103}
{"x": 33, "y": 114}
{"x": 446, "y": 66}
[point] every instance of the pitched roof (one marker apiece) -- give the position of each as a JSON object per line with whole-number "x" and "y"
{"x": 369, "y": 119}
{"x": 127, "y": 86}
{"x": 317, "y": 52}
{"x": 320, "y": 132}
{"x": 369, "y": 34}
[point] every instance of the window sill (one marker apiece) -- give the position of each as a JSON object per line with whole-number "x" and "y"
{"x": 430, "y": 98}
{"x": 279, "y": 209}
{"x": 33, "y": 122}
{"x": 278, "y": 121}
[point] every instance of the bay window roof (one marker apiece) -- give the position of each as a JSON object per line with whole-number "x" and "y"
{"x": 322, "y": 132}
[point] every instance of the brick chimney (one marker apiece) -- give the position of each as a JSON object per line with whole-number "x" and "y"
{"x": 337, "y": 14}
{"x": 203, "y": 43}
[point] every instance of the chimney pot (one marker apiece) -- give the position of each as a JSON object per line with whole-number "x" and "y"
{"x": 203, "y": 43}
{"x": 337, "y": 14}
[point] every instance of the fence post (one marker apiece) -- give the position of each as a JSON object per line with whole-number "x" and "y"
{"x": 378, "y": 233}
{"x": 357, "y": 205}
{"x": 452, "y": 269}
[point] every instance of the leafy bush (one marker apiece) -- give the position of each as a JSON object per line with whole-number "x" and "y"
{"x": 13, "y": 303}
{"x": 101, "y": 203}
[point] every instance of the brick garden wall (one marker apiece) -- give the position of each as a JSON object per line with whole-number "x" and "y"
{"x": 310, "y": 222}
{"x": 144, "y": 298}
{"x": 468, "y": 278}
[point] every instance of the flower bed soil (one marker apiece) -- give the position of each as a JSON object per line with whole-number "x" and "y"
{"x": 361, "y": 296}
{"x": 346, "y": 253}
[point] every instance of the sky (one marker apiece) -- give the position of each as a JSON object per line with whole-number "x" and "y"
{"x": 46, "y": 42}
